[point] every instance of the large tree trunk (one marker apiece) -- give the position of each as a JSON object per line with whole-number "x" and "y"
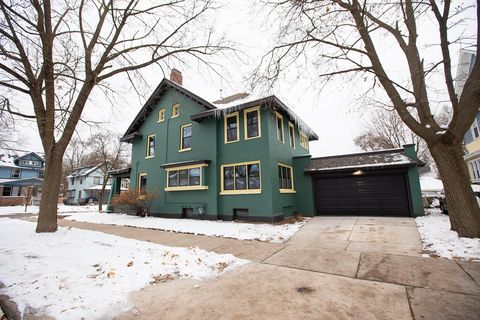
{"x": 47, "y": 217}
{"x": 463, "y": 209}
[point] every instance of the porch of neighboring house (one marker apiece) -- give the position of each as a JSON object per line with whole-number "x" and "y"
{"x": 120, "y": 182}
{"x": 92, "y": 193}
{"x": 15, "y": 192}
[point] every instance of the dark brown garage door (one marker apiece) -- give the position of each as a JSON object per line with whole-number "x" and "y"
{"x": 375, "y": 195}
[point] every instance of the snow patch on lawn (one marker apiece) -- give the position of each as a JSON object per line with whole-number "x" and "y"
{"x": 12, "y": 210}
{"x": 81, "y": 274}
{"x": 243, "y": 231}
{"x": 438, "y": 239}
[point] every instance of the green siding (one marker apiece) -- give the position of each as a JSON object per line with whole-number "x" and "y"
{"x": 414, "y": 182}
{"x": 208, "y": 144}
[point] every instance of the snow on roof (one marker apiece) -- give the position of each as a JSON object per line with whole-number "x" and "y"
{"x": 373, "y": 159}
{"x": 236, "y": 100}
{"x": 430, "y": 184}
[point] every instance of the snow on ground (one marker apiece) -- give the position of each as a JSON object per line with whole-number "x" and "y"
{"x": 81, "y": 274}
{"x": 11, "y": 210}
{"x": 242, "y": 231}
{"x": 438, "y": 239}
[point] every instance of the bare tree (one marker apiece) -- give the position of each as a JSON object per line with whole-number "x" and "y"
{"x": 385, "y": 130}
{"x": 107, "y": 150}
{"x": 56, "y": 56}
{"x": 357, "y": 37}
{"x": 7, "y": 128}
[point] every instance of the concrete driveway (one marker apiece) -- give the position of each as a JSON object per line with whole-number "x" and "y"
{"x": 333, "y": 268}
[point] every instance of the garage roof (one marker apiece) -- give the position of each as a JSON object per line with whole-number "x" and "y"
{"x": 365, "y": 160}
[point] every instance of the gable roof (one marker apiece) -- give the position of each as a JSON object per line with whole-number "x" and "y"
{"x": 153, "y": 100}
{"x": 364, "y": 160}
{"x": 244, "y": 101}
{"x": 30, "y": 153}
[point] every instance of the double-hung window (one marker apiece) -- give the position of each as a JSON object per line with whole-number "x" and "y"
{"x": 241, "y": 178}
{"x": 150, "y": 146}
{"x": 475, "y": 164}
{"x": 186, "y": 178}
{"x": 303, "y": 140}
{"x": 231, "y": 128}
{"x": 16, "y": 173}
{"x": 161, "y": 115}
{"x": 475, "y": 129}
{"x": 285, "y": 178}
{"x": 186, "y": 137}
{"x": 291, "y": 134}
{"x": 142, "y": 184}
{"x": 279, "y": 119}
{"x": 175, "y": 110}
{"x": 252, "y": 123}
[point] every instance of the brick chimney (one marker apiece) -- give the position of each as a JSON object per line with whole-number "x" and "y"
{"x": 176, "y": 76}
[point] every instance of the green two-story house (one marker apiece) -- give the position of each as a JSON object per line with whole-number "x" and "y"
{"x": 247, "y": 158}
{"x": 230, "y": 159}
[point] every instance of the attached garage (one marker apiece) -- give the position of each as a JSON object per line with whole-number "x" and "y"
{"x": 380, "y": 183}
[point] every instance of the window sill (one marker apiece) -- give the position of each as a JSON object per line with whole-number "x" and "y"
{"x": 160, "y": 121}
{"x": 175, "y": 116}
{"x": 192, "y": 188}
{"x": 287, "y": 191}
{"x": 184, "y": 150}
{"x": 227, "y": 142}
{"x": 149, "y": 157}
{"x": 235, "y": 192}
{"x": 251, "y": 138}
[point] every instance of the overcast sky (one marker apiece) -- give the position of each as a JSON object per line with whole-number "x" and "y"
{"x": 333, "y": 113}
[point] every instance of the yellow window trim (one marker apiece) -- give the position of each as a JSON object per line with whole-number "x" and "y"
{"x": 161, "y": 115}
{"x": 257, "y": 109}
{"x": 147, "y": 155}
{"x": 234, "y": 192}
{"x": 175, "y": 110}
{"x": 140, "y": 175}
{"x": 192, "y": 188}
{"x": 181, "y": 138}
{"x": 287, "y": 191}
{"x": 292, "y": 138}
{"x": 244, "y": 191}
{"x": 303, "y": 139}
{"x": 279, "y": 116}
{"x": 233, "y": 114}
{"x": 292, "y": 190}
{"x": 191, "y": 166}
{"x": 182, "y": 188}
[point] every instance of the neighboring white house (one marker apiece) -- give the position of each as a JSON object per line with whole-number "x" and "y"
{"x": 85, "y": 183}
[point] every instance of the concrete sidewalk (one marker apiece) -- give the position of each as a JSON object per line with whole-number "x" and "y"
{"x": 333, "y": 268}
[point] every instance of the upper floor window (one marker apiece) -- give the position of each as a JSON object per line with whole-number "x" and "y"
{"x": 280, "y": 135}
{"x": 81, "y": 180}
{"x": 150, "y": 146}
{"x": 175, "y": 110}
{"x": 231, "y": 128}
{"x": 16, "y": 173}
{"x": 186, "y": 137}
{"x": 303, "y": 140}
{"x": 96, "y": 180}
{"x": 475, "y": 129}
{"x": 142, "y": 183}
{"x": 161, "y": 115}
{"x": 252, "y": 123}
{"x": 241, "y": 178}
{"x": 40, "y": 174}
{"x": 285, "y": 177}
{"x": 291, "y": 134}
{"x": 475, "y": 164}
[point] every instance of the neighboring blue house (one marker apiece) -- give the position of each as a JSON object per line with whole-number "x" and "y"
{"x": 17, "y": 174}
{"x": 85, "y": 185}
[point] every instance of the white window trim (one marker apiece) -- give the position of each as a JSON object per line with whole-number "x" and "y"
{"x": 472, "y": 129}
{"x": 291, "y": 137}
{"x": 182, "y": 149}
{"x": 147, "y": 151}
{"x": 231, "y": 115}
{"x": 242, "y": 191}
{"x": 245, "y": 122}
{"x": 188, "y": 188}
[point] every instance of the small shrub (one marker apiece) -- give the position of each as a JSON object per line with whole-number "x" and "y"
{"x": 141, "y": 203}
